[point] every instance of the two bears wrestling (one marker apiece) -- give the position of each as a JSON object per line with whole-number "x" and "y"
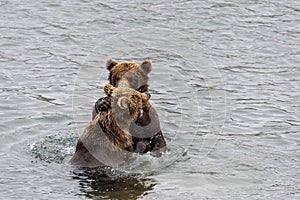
{"x": 123, "y": 122}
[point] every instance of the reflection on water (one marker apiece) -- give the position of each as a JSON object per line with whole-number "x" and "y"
{"x": 112, "y": 184}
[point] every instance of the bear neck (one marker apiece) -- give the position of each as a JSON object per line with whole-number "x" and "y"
{"x": 120, "y": 137}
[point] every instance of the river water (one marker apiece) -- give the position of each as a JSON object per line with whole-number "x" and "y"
{"x": 225, "y": 83}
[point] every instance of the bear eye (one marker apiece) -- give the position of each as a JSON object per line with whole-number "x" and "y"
{"x": 143, "y": 89}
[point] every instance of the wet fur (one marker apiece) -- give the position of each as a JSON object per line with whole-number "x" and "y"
{"x": 109, "y": 130}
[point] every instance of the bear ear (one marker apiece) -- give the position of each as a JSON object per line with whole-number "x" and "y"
{"x": 110, "y": 63}
{"x": 108, "y": 89}
{"x": 123, "y": 103}
{"x": 146, "y": 66}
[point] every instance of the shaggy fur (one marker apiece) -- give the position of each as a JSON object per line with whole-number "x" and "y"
{"x": 109, "y": 131}
{"x": 126, "y": 106}
{"x": 146, "y": 132}
{"x": 135, "y": 75}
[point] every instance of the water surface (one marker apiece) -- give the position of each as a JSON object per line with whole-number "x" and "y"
{"x": 225, "y": 83}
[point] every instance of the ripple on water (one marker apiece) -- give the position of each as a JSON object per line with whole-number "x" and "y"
{"x": 254, "y": 154}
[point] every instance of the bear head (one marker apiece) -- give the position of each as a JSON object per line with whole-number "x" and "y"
{"x": 129, "y": 74}
{"x": 127, "y": 104}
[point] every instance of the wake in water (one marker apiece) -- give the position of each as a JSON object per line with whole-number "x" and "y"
{"x": 59, "y": 149}
{"x": 54, "y": 148}
{"x": 127, "y": 182}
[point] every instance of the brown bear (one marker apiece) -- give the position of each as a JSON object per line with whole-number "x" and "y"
{"x": 106, "y": 141}
{"x": 131, "y": 74}
{"x": 146, "y": 132}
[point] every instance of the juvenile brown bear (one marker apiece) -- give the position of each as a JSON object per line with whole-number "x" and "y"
{"x": 146, "y": 133}
{"x": 106, "y": 141}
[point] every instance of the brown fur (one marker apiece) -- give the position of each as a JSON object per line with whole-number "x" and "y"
{"x": 99, "y": 142}
{"x": 147, "y": 128}
{"x": 135, "y": 74}
{"x": 126, "y": 106}
{"x": 109, "y": 131}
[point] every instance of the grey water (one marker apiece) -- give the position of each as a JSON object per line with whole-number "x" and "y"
{"x": 225, "y": 83}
